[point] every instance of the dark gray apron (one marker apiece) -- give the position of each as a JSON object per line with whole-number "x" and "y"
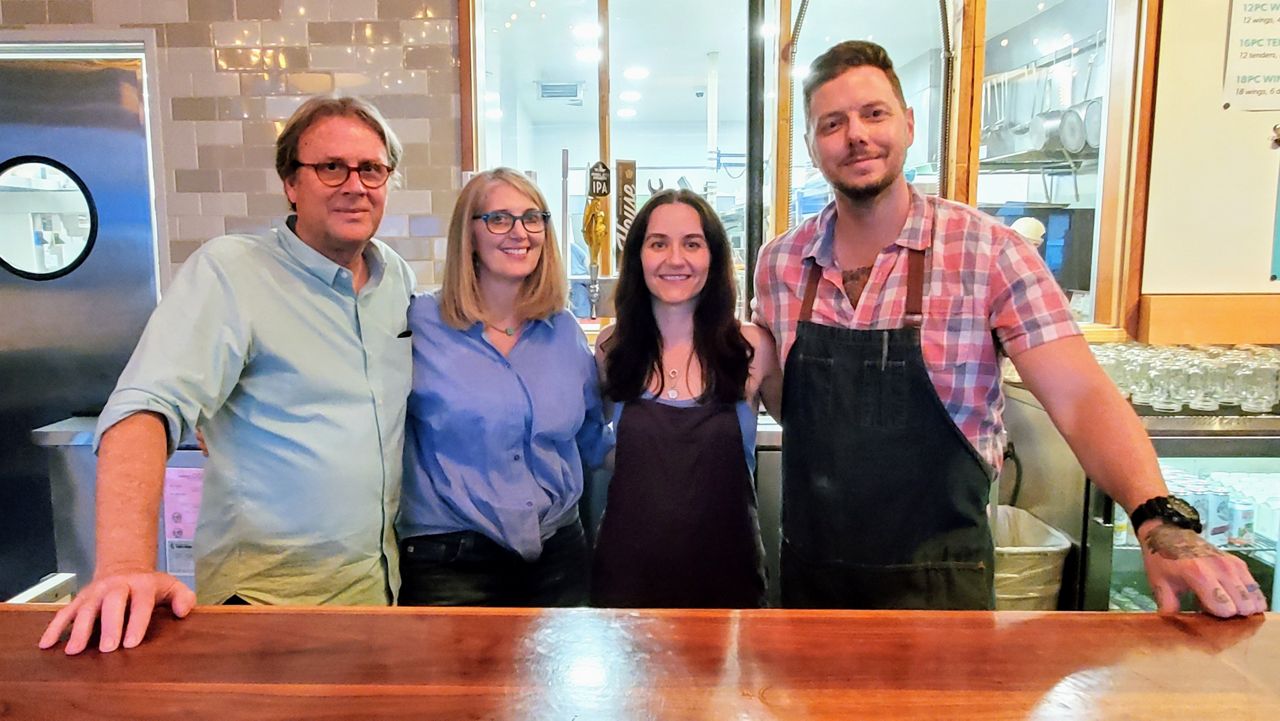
{"x": 883, "y": 498}
{"x": 680, "y": 528}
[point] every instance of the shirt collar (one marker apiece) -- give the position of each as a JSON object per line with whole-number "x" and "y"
{"x": 320, "y": 266}
{"x": 477, "y": 328}
{"x": 916, "y": 233}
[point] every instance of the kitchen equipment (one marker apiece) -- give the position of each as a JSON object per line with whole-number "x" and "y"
{"x": 66, "y": 334}
{"x": 1076, "y": 132}
{"x": 1049, "y": 127}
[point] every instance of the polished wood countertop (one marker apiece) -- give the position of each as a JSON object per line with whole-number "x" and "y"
{"x": 259, "y": 663}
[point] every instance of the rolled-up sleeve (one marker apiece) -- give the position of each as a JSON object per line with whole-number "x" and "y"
{"x": 595, "y": 438}
{"x": 1028, "y": 306}
{"x": 190, "y": 356}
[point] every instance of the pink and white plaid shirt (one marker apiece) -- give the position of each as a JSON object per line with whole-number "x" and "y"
{"x": 982, "y": 278}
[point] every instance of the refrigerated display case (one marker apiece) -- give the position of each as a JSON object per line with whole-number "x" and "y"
{"x": 1224, "y": 465}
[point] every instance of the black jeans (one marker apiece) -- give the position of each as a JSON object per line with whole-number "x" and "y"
{"x": 466, "y": 568}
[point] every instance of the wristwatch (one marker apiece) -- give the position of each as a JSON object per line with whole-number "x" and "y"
{"x": 1171, "y": 509}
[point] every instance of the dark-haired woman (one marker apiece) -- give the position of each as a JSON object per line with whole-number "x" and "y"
{"x": 683, "y": 376}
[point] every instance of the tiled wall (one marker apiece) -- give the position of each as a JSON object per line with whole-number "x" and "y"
{"x": 231, "y": 71}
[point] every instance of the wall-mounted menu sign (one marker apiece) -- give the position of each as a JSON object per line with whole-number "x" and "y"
{"x": 1252, "y": 79}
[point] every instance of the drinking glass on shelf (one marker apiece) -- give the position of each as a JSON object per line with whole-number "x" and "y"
{"x": 1168, "y": 386}
{"x": 1203, "y": 379}
{"x": 1257, "y": 380}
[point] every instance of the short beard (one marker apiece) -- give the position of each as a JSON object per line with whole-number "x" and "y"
{"x": 866, "y": 193}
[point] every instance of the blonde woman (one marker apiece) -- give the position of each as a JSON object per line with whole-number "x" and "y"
{"x": 504, "y": 414}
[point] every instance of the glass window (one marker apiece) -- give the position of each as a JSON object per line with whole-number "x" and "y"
{"x": 1041, "y": 129}
{"x": 677, "y": 99}
{"x": 46, "y": 218}
{"x": 911, "y": 31}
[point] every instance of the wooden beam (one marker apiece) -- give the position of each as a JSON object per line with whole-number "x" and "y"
{"x": 1145, "y": 113}
{"x": 1241, "y": 318}
{"x": 971, "y": 48}
{"x": 602, "y": 15}
{"x": 466, "y": 85}
{"x": 782, "y": 146}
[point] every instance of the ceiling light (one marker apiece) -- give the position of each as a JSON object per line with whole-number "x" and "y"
{"x": 507, "y": 24}
{"x": 586, "y": 31}
{"x": 1035, "y": 41}
{"x": 1040, "y": 6}
{"x": 1004, "y": 42}
{"x": 533, "y": 3}
{"x": 627, "y": 113}
{"x": 493, "y": 113}
{"x": 635, "y": 72}
{"x": 588, "y": 55}
{"x": 514, "y": 16}
{"x": 629, "y": 96}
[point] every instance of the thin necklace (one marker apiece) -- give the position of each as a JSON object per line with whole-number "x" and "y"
{"x": 509, "y": 331}
{"x": 674, "y": 391}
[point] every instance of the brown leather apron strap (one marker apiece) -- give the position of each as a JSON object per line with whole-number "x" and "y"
{"x": 810, "y": 291}
{"x": 915, "y": 289}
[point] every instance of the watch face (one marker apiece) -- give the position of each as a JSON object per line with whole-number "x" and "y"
{"x": 1181, "y": 507}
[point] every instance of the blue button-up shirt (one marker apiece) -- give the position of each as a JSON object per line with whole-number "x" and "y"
{"x": 299, "y": 384}
{"x": 497, "y": 444}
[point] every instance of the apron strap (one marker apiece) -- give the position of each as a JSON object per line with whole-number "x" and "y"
{"x": 810, "y": 291}
{"x": 914, "y": 316}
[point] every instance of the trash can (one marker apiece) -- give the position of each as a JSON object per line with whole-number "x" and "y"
{"x": 1029, "y": 558}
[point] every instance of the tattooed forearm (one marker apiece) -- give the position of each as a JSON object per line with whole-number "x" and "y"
{"x": 1176, "y": 543}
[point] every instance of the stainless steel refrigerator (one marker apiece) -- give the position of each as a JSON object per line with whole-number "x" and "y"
{"x": 78, "y": 260}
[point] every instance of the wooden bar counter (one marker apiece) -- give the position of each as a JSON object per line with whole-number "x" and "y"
{"x": 251, "y": 663}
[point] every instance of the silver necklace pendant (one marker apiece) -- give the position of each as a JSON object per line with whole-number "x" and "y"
{"x": 673, "y": 394}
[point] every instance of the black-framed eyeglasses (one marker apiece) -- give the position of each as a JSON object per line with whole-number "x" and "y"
{"x": 334, "y": 173}
{"x": 500, "y": 221}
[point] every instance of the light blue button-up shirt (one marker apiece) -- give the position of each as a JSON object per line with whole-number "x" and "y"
{"x": 497, "y": 444}
{"x": 299, "y": 384}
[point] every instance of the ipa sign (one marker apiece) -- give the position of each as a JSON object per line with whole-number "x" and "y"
{"x": 598, "y": 180}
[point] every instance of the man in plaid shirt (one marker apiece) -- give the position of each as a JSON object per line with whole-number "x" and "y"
{"x": 891, "y": 310}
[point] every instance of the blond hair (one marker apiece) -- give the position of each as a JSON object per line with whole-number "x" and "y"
{"x": 544, "y": 292}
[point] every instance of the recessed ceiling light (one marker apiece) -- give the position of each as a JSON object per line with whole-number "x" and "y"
{"x": 629, "y": 96}
{"x": 588, "y": 55}
{"x": 1040, "y": 6}
{"x": 507, "y": 24}
{"x": 586, "y": 31}
{"x": 533, "y": 3}
{"x": 1004, "y": 42}
{"x": 627, "y": 113}
{"x": 1035, "y": 41}
{"x": 635, "y": 72}
{"x": 514, "y": 16}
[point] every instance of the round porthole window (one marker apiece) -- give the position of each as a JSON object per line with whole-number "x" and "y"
{"x": 48, "y": 221}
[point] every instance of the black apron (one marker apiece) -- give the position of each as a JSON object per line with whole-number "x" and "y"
{"x": 883, "y": 498}
{"x": 680, "y": 527}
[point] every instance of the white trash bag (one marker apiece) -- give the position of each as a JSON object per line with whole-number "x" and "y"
{"x": 1029, "y": 558}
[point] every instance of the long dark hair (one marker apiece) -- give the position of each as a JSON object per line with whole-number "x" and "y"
{"x": 633, "y": 354}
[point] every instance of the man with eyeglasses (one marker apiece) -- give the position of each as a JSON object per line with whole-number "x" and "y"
{"x": 291, "y": 352}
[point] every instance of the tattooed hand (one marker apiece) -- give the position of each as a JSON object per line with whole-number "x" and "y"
{"x": 1179, "y": 560}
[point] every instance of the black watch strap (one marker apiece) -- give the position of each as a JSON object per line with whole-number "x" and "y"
{"x": 1171, "y": 509}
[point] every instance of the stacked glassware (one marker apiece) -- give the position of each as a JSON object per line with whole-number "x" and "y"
{"x": 1201, "y": 378}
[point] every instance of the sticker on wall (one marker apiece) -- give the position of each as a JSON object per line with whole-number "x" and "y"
{"x": 1252, "y": 78}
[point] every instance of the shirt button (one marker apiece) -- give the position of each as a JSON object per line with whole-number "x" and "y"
{"x": 529, "y": 504}
{"x": 516, "y": 457}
